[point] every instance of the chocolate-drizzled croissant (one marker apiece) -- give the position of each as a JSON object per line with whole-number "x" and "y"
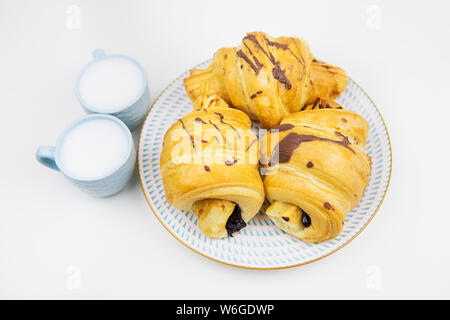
{"x": 316, "y": 170}
{"x": 267, "y": 78}
{"x": 209, "y": 165}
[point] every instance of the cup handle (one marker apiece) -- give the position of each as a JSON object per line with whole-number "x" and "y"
{"x": 98, "y": 53}
{"x": 46, "y": 156}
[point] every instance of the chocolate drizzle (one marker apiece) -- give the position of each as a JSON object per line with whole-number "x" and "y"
{"x": 235, "y": 221}
{"x": 253, "y": 96}
{"x": 344, "y": 138}
{"x": 187, "y": 131}
{"x": 258, "y": 64}
{"x": 277, "y": 45}
{"x": 230, "y": 163}
{"x": 248, "y": 48}
{"x": 282, "y": 127}
{"x": 215, "y": 126}
{"x": 283, "y": 46}
{"x": 328, "y": 206}
{"x": 277, "y": 72}
{"x": 251, "y": 144}
{"x": 256, "y": 67}
{"x": 292, "y": 141}
{"x": 200, "y": 120}
{"x": 221, "y": 116}
{"x": 252, "y": 38}
{"x": 280, "y": 75}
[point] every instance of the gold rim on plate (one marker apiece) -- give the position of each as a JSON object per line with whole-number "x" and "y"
{"x": 262, "y": 268}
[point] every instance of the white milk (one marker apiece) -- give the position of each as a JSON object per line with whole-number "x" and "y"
{"x": 111, "y": 84}
{"x": 93, "y": 149}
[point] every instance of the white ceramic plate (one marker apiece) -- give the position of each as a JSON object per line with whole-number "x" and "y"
{"x": 261, "y": 245}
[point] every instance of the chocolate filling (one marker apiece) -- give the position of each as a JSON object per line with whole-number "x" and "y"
{"x": 235, "y": 222}
{"x": 306, "y": 219}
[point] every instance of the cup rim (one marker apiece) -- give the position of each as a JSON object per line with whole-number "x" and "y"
{"x": 106, "y": 111}
{"x": 85, "y": 118}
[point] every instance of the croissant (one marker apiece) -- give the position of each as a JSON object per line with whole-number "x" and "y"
{"x": 267, "y": 78}
{"x": 209, "y": 165}
{"x": 316, "y": 170}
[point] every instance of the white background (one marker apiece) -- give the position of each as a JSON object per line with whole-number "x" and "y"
{"x": 57, "y": 242}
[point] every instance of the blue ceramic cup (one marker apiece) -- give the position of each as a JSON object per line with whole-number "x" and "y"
{"x": 105, "y": 184}
{"x": 110, "y": 82}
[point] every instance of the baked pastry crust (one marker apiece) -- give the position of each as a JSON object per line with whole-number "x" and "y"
{"x": 209, "y": 165}
{"x": 267, "y": 78}
{"x": 315, "y": 165}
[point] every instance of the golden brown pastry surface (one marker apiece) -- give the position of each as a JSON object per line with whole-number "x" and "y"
{"x": 316, "y": 171}
{"x": 209, "y": 165}
{"x": 267, "y": 78}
